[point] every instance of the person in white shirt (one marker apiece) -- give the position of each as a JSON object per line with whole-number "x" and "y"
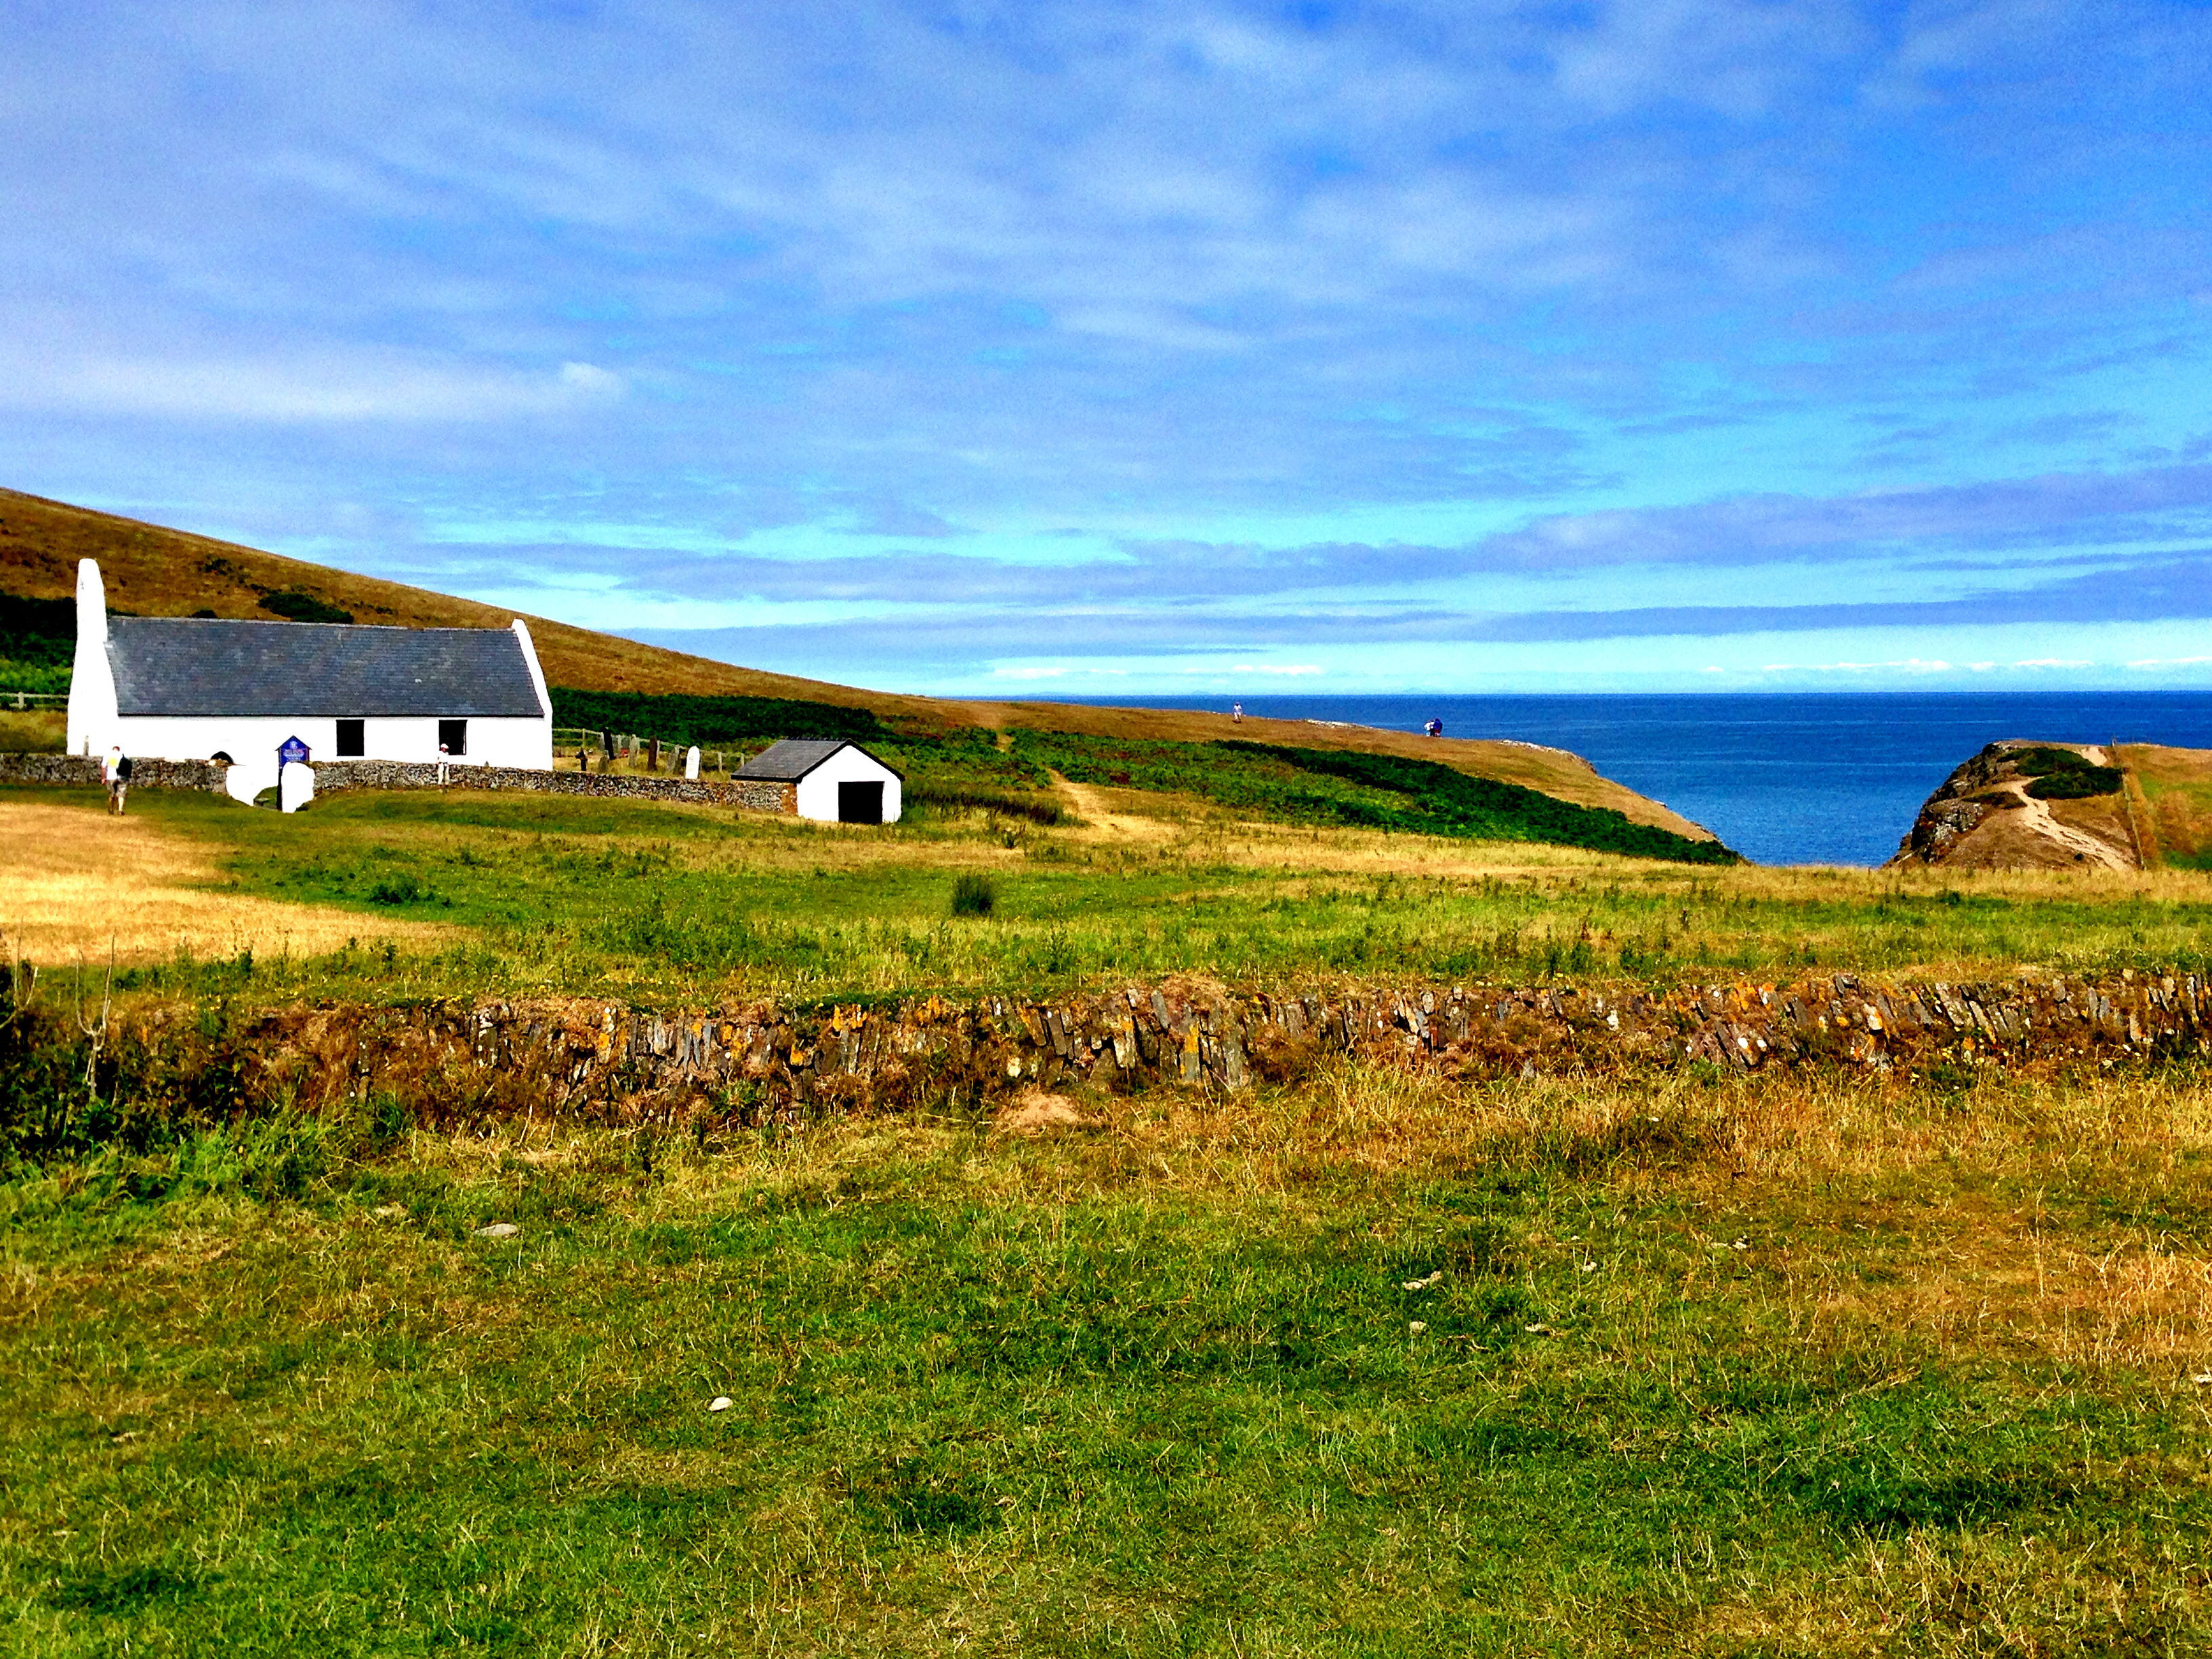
{"x": 115, "y": 773}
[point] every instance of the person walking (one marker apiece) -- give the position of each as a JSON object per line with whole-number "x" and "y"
{"x": 115, "y": 773}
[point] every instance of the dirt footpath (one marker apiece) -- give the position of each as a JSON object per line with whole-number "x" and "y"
{"x": 71, "y": 878}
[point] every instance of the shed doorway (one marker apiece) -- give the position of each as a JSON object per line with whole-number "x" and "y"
{"x": 860, "y": 803}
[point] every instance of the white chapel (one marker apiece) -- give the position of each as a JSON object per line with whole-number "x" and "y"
{"x": 190, "y": 688}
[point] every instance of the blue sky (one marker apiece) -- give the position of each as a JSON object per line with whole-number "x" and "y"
{"x": 1075, "y": 350}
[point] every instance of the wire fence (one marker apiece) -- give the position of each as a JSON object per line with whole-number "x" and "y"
{"x": 582, "y": 748}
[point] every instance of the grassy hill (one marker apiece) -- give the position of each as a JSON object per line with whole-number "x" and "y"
{"x": 153, "y": 571}
{"x": 1569, "y": 1356}
{"x": 2026, "y": 806}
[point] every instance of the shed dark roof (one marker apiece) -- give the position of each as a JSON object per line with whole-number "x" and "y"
{"x": 190, "y": 666}
{"x": 792, "y": 758}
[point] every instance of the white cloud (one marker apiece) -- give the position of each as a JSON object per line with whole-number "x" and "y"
{"x": 1402, "y": 297}
{"x": 304, "y": 386}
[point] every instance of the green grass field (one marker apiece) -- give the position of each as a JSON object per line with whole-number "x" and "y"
{"x": 1801, "y": 1364}
{"x": 671, "y": 903}
{"x": 1361, "y": 1368}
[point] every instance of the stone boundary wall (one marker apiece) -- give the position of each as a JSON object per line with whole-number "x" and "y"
{"x": 145, "y": 774}
{"x": 753, "y": 794}
{"x": 756, "y": 795}
{"x": 761, "y": 1061}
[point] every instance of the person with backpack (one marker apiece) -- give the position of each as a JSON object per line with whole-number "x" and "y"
{"x": 115, "y": 772}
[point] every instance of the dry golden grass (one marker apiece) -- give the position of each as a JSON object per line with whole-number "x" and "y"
{"x": 32, "y": 731}
{"x": 1194, "y": 831}
{"x": 76, "y": 881}
{"x": 1966, "y": 1272}
{"x": 2074, "y": 883}
{"x": 2172, "y": 789}
{"x": 157, "y": 572}
{"x": 1975, "y": 1264}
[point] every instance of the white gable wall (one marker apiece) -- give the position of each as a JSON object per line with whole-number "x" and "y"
{"x": 817, "y": 790}
{"x": 538, "y": 682}
{"x": 92, "y": 682}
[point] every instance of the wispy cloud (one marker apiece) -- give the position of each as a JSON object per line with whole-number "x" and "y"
{"x": 1317, "y": 318}
{"x": 252, "y": 386}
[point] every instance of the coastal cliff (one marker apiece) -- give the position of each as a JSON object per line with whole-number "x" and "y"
{"x": 2020, "y": 804}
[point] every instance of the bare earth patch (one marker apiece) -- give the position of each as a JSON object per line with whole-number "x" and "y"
{"x": 1037, "y": 1112}
{"x": 74, "y": 880}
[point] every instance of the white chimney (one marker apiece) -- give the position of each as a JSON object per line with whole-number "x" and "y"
{"x": 93, "y": 718}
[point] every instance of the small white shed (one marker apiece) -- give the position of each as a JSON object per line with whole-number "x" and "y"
{"x": 833, "y": 782}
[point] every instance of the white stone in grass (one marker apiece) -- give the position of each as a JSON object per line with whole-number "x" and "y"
{"x": 720, "y": 1402}
{"x": 498, "y": 1230}
{"x": 1417, "y": 1326}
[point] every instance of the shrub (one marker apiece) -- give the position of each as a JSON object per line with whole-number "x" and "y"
{"x": 736, "y": 721}
{"x": 2076, "y": 783}
{"x": 2035, "y": 762}
{"x": 973, "y": 896}
{"x": 295, "y": 606}
{"x": 2061, "y": 775}
{"x": 402, "y": 889}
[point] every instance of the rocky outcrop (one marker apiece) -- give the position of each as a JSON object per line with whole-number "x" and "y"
{"x": 762, "y": 1061}
{"x": 2022, "y": 805}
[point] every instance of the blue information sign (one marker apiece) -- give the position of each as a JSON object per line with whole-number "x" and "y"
{"x": 292, "y": 752}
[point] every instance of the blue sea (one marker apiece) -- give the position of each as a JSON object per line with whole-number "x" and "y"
{"x": 1832, "y": 778}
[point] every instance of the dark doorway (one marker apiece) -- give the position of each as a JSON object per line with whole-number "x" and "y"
{"x": 353, "y": 739}
{"x": 454, "y": 737}
{"x": 860, "y": 803}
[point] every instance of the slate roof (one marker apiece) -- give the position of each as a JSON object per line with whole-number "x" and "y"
{"x": 189, "y": 665}
{"x": 792, "y": 758}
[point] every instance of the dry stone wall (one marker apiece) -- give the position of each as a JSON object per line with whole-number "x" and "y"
{"x": 85, "y": 769}
{"x": 332, "y": 775}
{"x": 763, "y": 1061}
{"x": 760, "y": 796}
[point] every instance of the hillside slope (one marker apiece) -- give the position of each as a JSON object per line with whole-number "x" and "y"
{"x": 2020, "y": 805}
{"x": 156, "y": 572}
{"x": 153, "y": 571}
